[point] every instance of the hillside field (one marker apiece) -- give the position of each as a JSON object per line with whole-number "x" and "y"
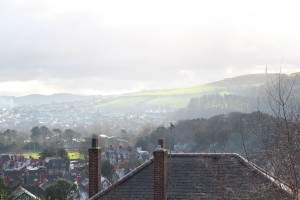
{"x": 71, "y": 155}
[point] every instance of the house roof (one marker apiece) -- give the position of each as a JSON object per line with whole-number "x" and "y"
{"x": 31, "y": 179}
{"x": 20, "y": 190}
{"x": 56, "y": 163}
{"x": 50, "y": 179}
{"x": 4, "y": 158}
{"x": 35, "y": 190}
{"x": 200, "y": 176}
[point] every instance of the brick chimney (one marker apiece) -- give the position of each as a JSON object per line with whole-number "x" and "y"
{"x": 42, "y": 178}
{"x": 160, "y": 173}
{"x": 78, "y": 179}
{"x": 6, "y": 180}
{"x": 94, "y": 167}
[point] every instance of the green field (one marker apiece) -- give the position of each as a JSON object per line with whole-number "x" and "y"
{"x": 75, "y": 156}
{"x": 71, "y": 155}
{"x": 33, "y": 155}
{"x": 179, "y": 91}
{"x": 173, "y": 98}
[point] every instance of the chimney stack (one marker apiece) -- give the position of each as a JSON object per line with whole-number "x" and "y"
{"x": 42, "y": 178}
{"x": 78, "y": 179}
{"x": 6, "y": 180}
{"x": 94, "y": 167}
{"x": 160, "y": 173}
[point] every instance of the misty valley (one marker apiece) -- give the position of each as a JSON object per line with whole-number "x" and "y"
{"x": 245, "y": 115}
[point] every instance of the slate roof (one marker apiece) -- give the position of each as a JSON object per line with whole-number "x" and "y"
{"x": 31, "y": 179}
{"x": 20, "y": 190}
{"x": 35, "y": 190}
{"x": 4, "y": 158}
{"x": 35, "y": 179}
{"x": 200, "y": 176}
{"x": 56, "y": 163}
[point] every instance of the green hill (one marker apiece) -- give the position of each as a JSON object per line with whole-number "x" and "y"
{"x": 246, "y": 85}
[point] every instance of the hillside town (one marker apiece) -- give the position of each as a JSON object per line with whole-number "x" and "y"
{"x": 30, "y": 177}
{"x": 82, "y": 115}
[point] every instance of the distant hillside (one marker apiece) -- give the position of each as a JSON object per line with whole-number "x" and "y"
{"x": 243, "y": 94}
{"x": 245, "y": 80}
{"x": 246, "y": 86}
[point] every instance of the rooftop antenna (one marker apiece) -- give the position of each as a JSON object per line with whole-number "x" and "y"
{"x": 172, "y": 127}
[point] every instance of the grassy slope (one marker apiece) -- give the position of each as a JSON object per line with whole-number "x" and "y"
{"x": 179, "y": 91}
{"x": 173, "y": 98}
{"x": 179, "y": 98}
{"x": 71, "y": 155}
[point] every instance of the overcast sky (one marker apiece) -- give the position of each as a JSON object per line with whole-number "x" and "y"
{"x": 113, "y": 46}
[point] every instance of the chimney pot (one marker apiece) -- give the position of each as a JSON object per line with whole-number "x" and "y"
{"x": 161, "y": 142}
{"x": 95, "y": 141}
{"x": 78, "y": 179}
{"x": 158, "y": 148}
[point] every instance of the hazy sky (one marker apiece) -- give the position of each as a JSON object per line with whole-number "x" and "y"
{"x": 112, "y": 46}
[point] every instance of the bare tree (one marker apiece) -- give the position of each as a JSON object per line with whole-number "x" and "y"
{"x": 279, "y": 133}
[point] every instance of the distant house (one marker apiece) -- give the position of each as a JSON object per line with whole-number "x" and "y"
{"x": 124, "y": 154}
{"x": 12, "y": 162}
{"x": 142, "y": 155}
{"x": 55, "y": 165}
{"x": 49, "y": 180}
{"x": 13, "y": 178}
{"x": 120, "y": 156}
{"x": 83, "y": 182}
{"x": 105, "y": 183}
{"x": 121, "y": 172}
{"x": 20, "y": 194}
{"x": 111, "y": 155}
{"x": 4, "y": 159}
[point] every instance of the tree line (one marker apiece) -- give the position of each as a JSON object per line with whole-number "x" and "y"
{"x": 215, "y": 104}
{"x": 220, "y": 133}
{"x": 39, "y": 139}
